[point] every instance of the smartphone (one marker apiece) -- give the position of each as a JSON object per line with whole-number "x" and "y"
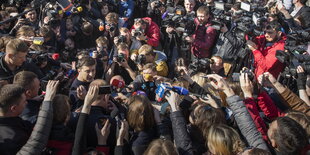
{"x": 104, "y": 90}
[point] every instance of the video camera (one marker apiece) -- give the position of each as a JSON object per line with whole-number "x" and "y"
{"x": 221, "y": 16}
{"x": 298, "y": 41}
{"x": 200, "y": 65}
{"x": 37, "y": 57}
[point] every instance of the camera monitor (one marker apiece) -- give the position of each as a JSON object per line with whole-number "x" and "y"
{"x": 245, "y": 6}
{"x": 219, "y": 5}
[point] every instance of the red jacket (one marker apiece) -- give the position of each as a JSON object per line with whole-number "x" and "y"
{"x": 204, "y": 38}
{"x": 152, "y": 32}
{"x": 265, "y": 57}
{"x": 265, "y": 104}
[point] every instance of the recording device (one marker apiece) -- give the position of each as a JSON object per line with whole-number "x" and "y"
{"x": 118, "y": 84}
{"x": 138, "y": 32}
{"x": 236, "y": 76}
{"x": 141, "y": 60}
{"x": 220, "y": 16}
{"x": 112, "y": 27}
{"x": 200, "y": 65}
{"x": 162, "y": 91}
{"x": 120, "y": 57}
{"x": 157, "y": 6}
{"x": 104, "y": 90}
{"x": 121, "y": 39}
{"x": 37, "y": 57}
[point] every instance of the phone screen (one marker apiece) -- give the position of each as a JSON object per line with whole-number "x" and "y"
{"x": 104, "y": 90}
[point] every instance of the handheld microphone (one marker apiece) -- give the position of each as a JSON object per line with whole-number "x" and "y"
{"x": 180, "y": 90}
{"x": 161, "y": 90}
{"x": 118, "y": 84}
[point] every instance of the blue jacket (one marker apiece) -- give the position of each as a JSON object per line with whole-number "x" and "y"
{"x": 126, "y": 8}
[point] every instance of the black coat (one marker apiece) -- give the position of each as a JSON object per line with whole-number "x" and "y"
{"x": 14, "y": 133}
{"x": 31, "y": 111}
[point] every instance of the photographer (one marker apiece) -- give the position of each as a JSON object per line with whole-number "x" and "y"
{"x": 189, "y": 6}
{"x": 204, "y": 36}
{"x": 126, "y": 8}
{"x": 122, "y": 65}
{"x": 300, "y": 11}
{"x": 155, "y": 10}
{"x": 111, "y": 28}
{"x": 264, "y": 50}
{"x": 148, "y": 55}
{"x": 147, "y": 31}
{"x": 132, "y": 42}
{"x": 230, "y": 47}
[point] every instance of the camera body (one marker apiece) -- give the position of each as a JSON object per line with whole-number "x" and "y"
{"x": 141, "y": 59}
{"x": 120, "y": 57}
{"x": 200, "y": 65}
{"x": 121, "y": 39}
{"x": 138, "y": 32}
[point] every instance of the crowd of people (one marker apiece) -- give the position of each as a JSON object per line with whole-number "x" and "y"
{"x": 155, "y": 77}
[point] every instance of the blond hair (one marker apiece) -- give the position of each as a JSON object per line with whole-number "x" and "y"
{"x": 224, "y": 140}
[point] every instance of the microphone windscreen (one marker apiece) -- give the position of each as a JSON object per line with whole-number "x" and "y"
{"x": 118, "y": 84}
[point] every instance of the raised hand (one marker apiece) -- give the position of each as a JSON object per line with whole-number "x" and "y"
{"x": 246, "y": 85}
{"x": 123, "y": 133}
{"x": 220, "y": 84}
{"x": 51, "y": 89}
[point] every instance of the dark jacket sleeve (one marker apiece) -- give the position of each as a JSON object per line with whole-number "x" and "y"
{"x": 237, "y": 43}
{"x": 79, "y": 135}
{"x": 181, "y": 136}
{"x": 245, "y": 123}
{"x": 40, "y": 134}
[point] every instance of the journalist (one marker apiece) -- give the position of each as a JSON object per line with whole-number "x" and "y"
{"x": 204, "y": 36}
{"x": 264, "y": 49}
{"x": 146, "y": 31}
{"x": 148, "y": 55}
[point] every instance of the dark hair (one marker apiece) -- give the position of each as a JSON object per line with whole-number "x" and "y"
{"x": 86, "y": 61}
{"x": 290, "y": 137}
{"x": 274, "y": 25}
{"x": 25, "y": 79}
{"x": 303, "y": 2}
{"x": 87, "y": 27}
{"x": 10, "y": 94}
